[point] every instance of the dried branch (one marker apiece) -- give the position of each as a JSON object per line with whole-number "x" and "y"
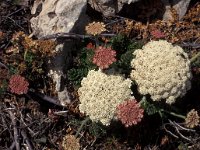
{"x": 4, "y": 124}
{"x": 43, "y": 97}
{"x": 71, "y": 36}
{"x": 12, "y": 13}
{"x": 183, "y": 128}
{"x": 193, "y": 45}
{"x": 177, "y": 128}
{"x": 12, "y": 146}
{"x": 168, "y": 131}
{"x": 22, "y": 123}
{"x": 61, "y": 113}
{"x": 25, "y": 137}
{"x": 16, "y": 132}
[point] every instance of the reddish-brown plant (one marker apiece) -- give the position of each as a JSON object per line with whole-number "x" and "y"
{"x": 129, "y": 112}
{"x": 18, "y": 84}
{"x": 104, "y": 57}
{"x": 157, "y": 34}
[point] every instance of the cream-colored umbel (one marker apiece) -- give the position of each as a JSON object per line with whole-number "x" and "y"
{"x": 161, "y": 70}
{"x": 100, "y": 93}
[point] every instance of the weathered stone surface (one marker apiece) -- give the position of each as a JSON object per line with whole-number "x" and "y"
{"x": 56, "y": 66}
{"x": 58, "y": 16}
{"x": 111, "y": 7}
{"x": 179, "y": 5}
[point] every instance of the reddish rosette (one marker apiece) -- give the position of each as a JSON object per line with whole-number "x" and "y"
{"x": 104, "y": 57}
{"x": 129, "y": 112}
{"x": 18, "y": 84}
{"x": 157, "y": 34}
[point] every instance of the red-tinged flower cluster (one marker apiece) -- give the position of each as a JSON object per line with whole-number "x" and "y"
{"x": 129, "y": 112}
{"x": 18, "y": 84}
{"x": 157, "y": 34}
{"x": 104, "y": 57}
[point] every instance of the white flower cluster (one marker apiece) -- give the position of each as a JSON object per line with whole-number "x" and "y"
{"x": 161, "y": 70}
{"x": 100, "y": 93}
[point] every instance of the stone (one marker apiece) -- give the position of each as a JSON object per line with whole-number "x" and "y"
{"x": 109, "y": 7}
{"x": 56, "y": 65}
{"x": 55, "y": 16}
{"x": 64, "y": 97}
{"x": 58, "y": 16}
{"x": 180, "y": 6}
{"x": 112, "y": 7}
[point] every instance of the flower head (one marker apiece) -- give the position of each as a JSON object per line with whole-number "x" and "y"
{"x": 129, "y": 112}
{"x": 161, "y": 70}
{"x": 95, "y": 28}
{"x": 192, "y": 119}
{"x": 18, "y": 84}
{"x": 101, "y": 93}
{"x": 157, "y": 34}
{"x": 104, "y": 57}
{"x": 70, "y": 142}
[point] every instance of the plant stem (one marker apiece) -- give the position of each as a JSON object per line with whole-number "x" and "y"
{"x": 82, "y": 125}
{"x": 195, "y": 57}
{"x": 143, "y": 100}
{"x": 25, "y": 54}
{"x": 174, "y": 114}
{"x": 96, "y": 40}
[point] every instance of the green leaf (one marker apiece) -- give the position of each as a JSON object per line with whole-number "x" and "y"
{"x": 97, "y": 129}
{"x": 149, "y": 108}
{"x": 75, "y": 75}
{"x": 120, "y": 43}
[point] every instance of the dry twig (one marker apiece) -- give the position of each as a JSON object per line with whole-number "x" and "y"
{"x": 178, "y": 129}
{"x": 16, "y": 131}
{"x": 27, "y": 140}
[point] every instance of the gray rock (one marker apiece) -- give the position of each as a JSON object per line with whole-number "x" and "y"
{"x": 58, "y": 16}
{"x": 57, "y": 65}
{"x": 64, "y": 97}
{"x": 179, "y": 5}
{"x": 111, "y": 7}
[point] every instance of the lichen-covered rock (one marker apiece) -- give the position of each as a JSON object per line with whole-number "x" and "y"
{"x": 100, "y": 94}
{"x": 161, "y": 70}
{"x": 59, "y": 16}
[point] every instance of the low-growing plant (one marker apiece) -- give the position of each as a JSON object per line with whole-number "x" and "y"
{"x": 125, "y": 58}
{"x": 27, "y": 57}
{"x": 75, "y": 75}
{"x": 97, "y": 129}
{"x": 82, "y": 65}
